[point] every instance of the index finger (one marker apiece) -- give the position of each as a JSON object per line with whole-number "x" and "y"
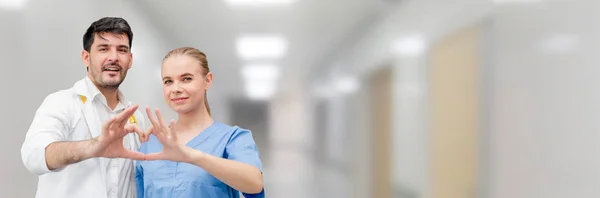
{"x": 151, "y": 118}
{"x": 148, "y": 132}
{"x": 159, "y": 116}
{"x": 106, "y": 125}
{"x": 134, "y": 128}
{"x": 124, "y": 116}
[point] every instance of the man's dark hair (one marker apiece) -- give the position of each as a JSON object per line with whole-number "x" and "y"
{"x": 114, "y": 25}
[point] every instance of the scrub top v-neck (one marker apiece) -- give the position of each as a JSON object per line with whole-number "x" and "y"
{"x": 162, "y": 178}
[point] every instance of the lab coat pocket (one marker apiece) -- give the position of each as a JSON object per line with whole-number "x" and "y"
{"x": 78, "y": 130}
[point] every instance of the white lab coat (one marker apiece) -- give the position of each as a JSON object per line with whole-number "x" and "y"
{"x": 63, "y": 116}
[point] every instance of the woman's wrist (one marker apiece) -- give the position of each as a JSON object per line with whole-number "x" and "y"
{"x": 192, "y": 156}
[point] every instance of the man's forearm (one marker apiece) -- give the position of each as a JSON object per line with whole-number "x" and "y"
{"x": 61, "y": 154}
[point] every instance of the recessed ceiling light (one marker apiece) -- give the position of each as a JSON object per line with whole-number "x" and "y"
{"x": 347, "y": 84}
{"x": 259, "y": 2}
{"x": 260, "y": 90}
{"x": 260, "y": 72}
{"x": 12, "y": 4}
{"x": 261, "y": 47}
{"x": 409, "y": 46}
{"x": 515, "y": 1}
{"x": 560, "y": 43}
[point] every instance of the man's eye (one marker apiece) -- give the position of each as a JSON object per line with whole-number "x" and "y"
{"x": 187, "y": 79}
{"x": 167, "y": 81}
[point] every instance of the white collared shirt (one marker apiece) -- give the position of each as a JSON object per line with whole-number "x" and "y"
{"x": 61, "y": 117}
{"x": 118, "y": 171}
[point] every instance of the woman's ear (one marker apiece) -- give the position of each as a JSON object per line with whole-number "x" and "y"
{"x": 208, "y": 80}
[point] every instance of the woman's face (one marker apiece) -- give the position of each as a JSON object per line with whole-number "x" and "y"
{"x": 184, "y": 83}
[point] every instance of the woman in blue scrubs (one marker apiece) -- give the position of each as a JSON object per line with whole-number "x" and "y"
{"x": 195, "y": 156}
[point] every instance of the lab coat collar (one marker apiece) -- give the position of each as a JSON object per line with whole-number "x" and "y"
{"x": 85, "y": 87}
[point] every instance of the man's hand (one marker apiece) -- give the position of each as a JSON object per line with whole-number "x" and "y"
{"x": 143, "y": 135}
{"x": 110, "y": 143}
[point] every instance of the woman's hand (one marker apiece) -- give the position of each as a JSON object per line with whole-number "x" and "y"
{"x": 172, "y": 149}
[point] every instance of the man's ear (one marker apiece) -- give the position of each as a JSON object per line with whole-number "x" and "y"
{"x": 85, "y": 58}
{"x": 130, "y": 60}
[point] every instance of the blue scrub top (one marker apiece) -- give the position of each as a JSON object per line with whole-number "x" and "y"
{"x": 162, "y": 178}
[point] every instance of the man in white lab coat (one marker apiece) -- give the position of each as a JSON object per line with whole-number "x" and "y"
{"x": 80, "y": 142}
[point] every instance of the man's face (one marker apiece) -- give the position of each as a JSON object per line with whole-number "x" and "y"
{"x": 108, "y": 60}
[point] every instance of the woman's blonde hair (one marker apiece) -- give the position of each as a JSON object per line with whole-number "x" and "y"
{"x": 200, "y": 57}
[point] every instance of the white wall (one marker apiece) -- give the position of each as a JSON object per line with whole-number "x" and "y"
{"x": 40, "y": 53}
{"x": 358, "y": 146}
{"x": 290, "y": 171}
{"x": 544, "y": 98}
{"x": 541, "y": 115}
{"x": 12, "y": 173}
{"x": 429, "y": 20}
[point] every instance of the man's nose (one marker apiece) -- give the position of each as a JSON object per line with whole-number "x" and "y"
{"x": 112, "y": 56}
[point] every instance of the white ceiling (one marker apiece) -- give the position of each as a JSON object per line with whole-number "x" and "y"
{"x": 314, "y": 30}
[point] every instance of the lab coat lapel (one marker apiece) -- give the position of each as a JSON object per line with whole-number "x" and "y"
{"x": 90, "y": 116}
{"x": 89, "y": 112}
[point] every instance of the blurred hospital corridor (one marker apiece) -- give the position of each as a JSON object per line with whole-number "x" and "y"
{"x": 349, "y": 98}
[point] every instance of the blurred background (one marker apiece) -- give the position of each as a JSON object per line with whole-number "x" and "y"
{"x": 350, "y": 98}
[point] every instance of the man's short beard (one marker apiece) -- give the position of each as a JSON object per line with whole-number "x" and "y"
{"x": 111, "y": 87}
